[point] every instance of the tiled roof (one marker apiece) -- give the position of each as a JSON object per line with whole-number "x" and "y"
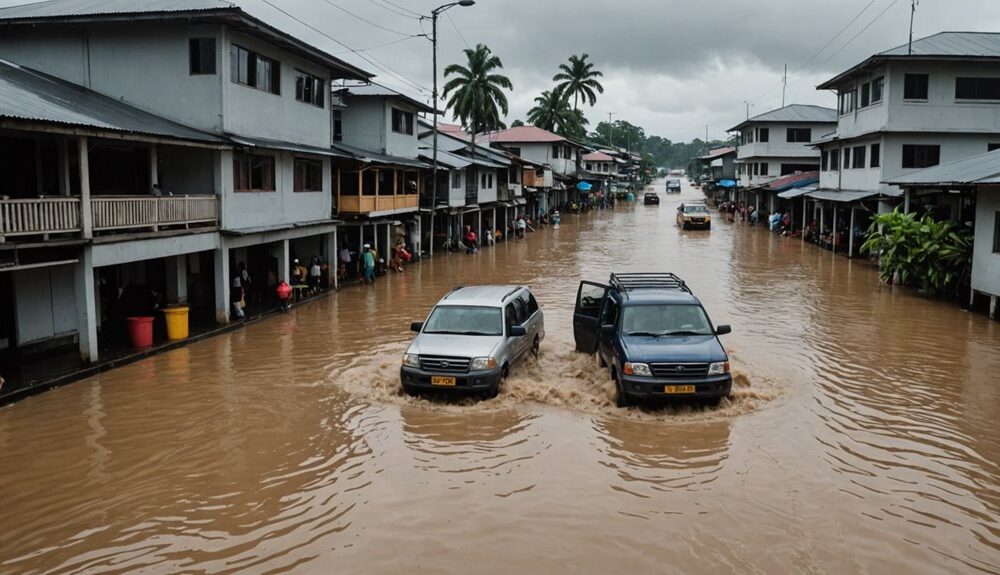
{"x": 597, "y": 157}
{"x": 524, "y": 135}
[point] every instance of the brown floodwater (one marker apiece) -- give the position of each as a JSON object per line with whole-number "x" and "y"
{"x": 862, "y": 436}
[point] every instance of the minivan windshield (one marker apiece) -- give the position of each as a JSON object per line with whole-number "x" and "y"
{"x": 665, "y": 320}
{"x": 464, "y": 320}
{"x": 695, "y": 209}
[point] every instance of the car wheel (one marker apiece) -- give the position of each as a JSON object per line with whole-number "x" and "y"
{"x": 621, "y": 400}
{"x": 410, "y": 391}
{"x": 535, "y": 348}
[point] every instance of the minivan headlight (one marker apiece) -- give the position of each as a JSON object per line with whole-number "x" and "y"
{"x": 718, "y": 368}
{"x": 411, "y": 360}
{"x": 637, "y": 369}
{"x": 483, "y": 363}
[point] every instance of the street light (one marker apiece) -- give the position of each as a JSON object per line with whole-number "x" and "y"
{"x": 434, "y": 42}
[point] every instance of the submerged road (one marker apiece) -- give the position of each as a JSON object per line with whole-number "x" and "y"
{"x": 862, "y": 435}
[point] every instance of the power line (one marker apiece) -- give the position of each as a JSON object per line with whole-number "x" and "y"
{"x": 369, "y": 59}
{"x": 377, "y": 46}
{"x": 366, "y": 20}
{"x": 393, "y": 10}
{"x": 460, "y": 35}
{"x": 391, "y": 3}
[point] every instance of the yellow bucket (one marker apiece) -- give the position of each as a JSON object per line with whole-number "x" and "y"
{"x": 177, "y": 322}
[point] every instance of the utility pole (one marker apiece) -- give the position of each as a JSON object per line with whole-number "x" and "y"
{"x": 784, "y": 85}
{"x": 913, "y": 12}
{"x": 747, "y": 102}
{"x": 611, "y": 128}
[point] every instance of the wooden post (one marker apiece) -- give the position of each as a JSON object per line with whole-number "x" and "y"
{"x": 154, "y": 165}
{"x": 850, "y": 240}
{"x": 62, "y": 156}
{"x": 833, "y": 235}
{"x": 86, "y": 213}
{"x": 805, "y": 214}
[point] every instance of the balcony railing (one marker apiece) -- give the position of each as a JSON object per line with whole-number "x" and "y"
{"x": 60, "y": 215}
{"x": 377, "y": 204}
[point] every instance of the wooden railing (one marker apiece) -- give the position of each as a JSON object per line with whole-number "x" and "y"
{"x": 369, "y": 204}
{"x": 137, "y": 212}
{"x": 39, "y": 216}
{"x": 60, "y": 215}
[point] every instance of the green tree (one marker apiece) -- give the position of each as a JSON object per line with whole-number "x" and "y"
{"x": 579, "y": 80}
{"x": 477, "y": 90}
{"x": 552, "y": 112}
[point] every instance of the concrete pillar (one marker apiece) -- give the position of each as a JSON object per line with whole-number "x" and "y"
{"x": 850, "y": 235}
{"x": 906, "y": 200}
{"x": 994, "y": 307}
{"x": 284, "y": 263}
{"x": 388, "y": 241}
{"x": 479, "y": 232}
{"x": 154, "y": 165}
{"x": 833, "y": 234}
{"x": 86, "y": 214}
{"x": 177, "y": 291}
{"x": 222, "y": 284}
{"x": 334, "y": 258}
{"x": 62, "y": 159}
{"x": 418, "y": 245}
{"x": 805, "y": 212}
{"x": 86, "y": 306}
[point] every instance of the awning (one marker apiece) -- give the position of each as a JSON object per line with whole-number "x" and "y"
{"x": 841, "y": 196}
{"x": 520, "y": 201}
{"x": 794, "y": 181}
{"x": 796, "y": 192}
{"x": 288, "y": 147}
{"x": 373, "y": 158}
{"x": 446, "y": 159}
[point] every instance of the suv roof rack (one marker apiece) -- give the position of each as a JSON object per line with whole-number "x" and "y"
{"x": 631, "y": 281}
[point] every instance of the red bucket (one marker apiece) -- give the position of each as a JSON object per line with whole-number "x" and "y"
{"x": 140, "y": 331}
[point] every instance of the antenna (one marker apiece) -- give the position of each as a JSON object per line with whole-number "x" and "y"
{"x": 784, "y": 85}
{"x": 913, "y": 12}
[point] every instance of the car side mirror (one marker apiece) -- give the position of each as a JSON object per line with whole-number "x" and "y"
{"x": 608, "y": 330}
{"x": 518, "y": 331}
{"x": 417, "y": 326}
{"x": 723, "y": 330}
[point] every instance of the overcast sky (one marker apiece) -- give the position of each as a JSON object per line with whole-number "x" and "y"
{"x": 671, "y": 66}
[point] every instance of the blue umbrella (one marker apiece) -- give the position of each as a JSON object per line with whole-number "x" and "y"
{"x": 584, "y": 186}
{"x": 726, "y": 183}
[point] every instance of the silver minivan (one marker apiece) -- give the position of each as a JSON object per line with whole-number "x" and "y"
{"x": 472, "y": 339}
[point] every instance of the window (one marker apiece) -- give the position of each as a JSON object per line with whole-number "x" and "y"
{"x": 876, "y": 155}
{"x": 765, "y": 134}
{"x": 846, "y": 100}
{"x": 308, "y": 175}
{"x": 253, "y": 70}
{"x": 866, "y": 94}
{"x": 847, "y": 158}
{"x": 589, "y": 167}
{"x": 859, "y": 157}
{"x": 530, "y": 305}
{"x": 456, "y": 179}
{"x": 555, "y": 151}
{"x": 309, "y": 89}
{"x": 763, "y": 168}
{"x": 799, "y": 135}
{"x": 921, "y": 156}
{"x": 877, "y": 89}
{"x": 834, "y": 160}
{"x": 252, "y": 173}
{"x": 823, "y": 158}
{"x": 338, "y": 125}
{"x": 996, "y": 233}
{"x": 915, "y": 86}
{"x": 788, "y": 169}
{"x": 991, "y": 147}
{"x": 977, "y": 88}
{"x": 402, "y": 122}
{"x": 202, "y": 55}
{"x": 756, "y": 169}
{"x": 486, "y": 181}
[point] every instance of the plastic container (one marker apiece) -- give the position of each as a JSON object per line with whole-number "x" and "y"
{"x": 140, "y": 331}
{"x": 177, "y": 322}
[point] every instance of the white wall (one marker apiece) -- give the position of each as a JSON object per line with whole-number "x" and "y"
{"x": 46, "y": 303}
{"x": 402, "y": 145}
{"x": 942, "y": 112}
{"x": 241, "y": 210}
{"x": 488, "y": 193}
{"x": 777, "y": 144}
{"x": 456, "y": 195}
{"x": 985, "y": 263}
{"x": 364, "y": 124}
{"x": 874, "y": 117}
{"x": 541, "y": 153}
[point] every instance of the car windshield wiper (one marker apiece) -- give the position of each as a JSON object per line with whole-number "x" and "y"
{"x": 459, "y": 333}
{"x": 684, "y": 332}
{"x": 644, "y": 333}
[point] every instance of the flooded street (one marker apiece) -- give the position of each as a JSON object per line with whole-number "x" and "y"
{"x": 862, "y": 435}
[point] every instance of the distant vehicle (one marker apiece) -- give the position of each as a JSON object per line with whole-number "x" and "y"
{"x": 676, "y": 172}
{"x": 472, "y": 339}
{"x": 673, "y": 186}
{"x": 693, "y": 215}
{"x": 654, "y": 337}
{"x": 651, "y": 199}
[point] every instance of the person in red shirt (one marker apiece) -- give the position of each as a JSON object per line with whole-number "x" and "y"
{"x": 284, "y": 295}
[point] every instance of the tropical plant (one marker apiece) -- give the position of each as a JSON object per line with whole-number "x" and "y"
{"x": 579, "y": 80}
{"x": 476, "y": 91}
{"x": 552, "y": 113}
{"x": 934, "y": 256}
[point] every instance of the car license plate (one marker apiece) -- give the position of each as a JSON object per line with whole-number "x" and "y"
{"x": 447, "y": 381}
{"x": 673, "y": 389}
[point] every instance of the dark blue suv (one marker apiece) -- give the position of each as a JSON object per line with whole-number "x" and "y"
{"x": 654, "y": 336}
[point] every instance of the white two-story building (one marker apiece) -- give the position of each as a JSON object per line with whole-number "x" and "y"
{"x": 558, "y": 155}
{"x": 778, "y": 143}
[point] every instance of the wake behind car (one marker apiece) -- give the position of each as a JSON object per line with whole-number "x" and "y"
{"x": 472, "y": 339}
{"x": 693, "y": 215}
{"x": 654, "y": 337}
{"x": 651, "y": 199}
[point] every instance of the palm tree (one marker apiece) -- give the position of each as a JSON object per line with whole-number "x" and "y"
{"x": 552, "y": 113}
{"x": 579, "y": 79}
{"x": 477, "y": 96}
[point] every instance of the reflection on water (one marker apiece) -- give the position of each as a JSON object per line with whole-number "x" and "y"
{"x": 861, "y": 436}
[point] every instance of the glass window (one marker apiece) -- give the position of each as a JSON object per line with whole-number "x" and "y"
{"x": 202, "y": 55}
{"x": 834, "y": 160}
{"x": 803, "y": 135}
{"x": 991, "y": 147}
{"x": 678, "y": 320}
{"x": 763, "y": 168}
{"x": 876, "y": 155}
{"x": 253, "y": 173}
{"x": 456, "y": 179}
{"x": 695, "y": 209}
{"x": 765, "y": 134}
{"x": 520, "y": 313}
{"x": 823, "y": 157}
{"x": 866, "y": 94}
{"x": 846, "y": 100}
{"x": 915, "y": 86}
{"x": 253, "y": 70}
{"x": 921, "y": 156}
{"x": 308, "y": 175}
{"x": 859, "y": 157}
{"x": 977, "y": 88}
{"x": 877, "y": 89}
{"x": 338, "y": 126}
{"x": 531, "y": 305}
{"x": 402, "y": 122}
{"x": 847, "y": 158}
{"x": 464, "y": 320}
{"x": 310, "y": 89}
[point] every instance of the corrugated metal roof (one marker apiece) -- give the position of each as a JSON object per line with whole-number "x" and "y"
{"x": 68, "y": 8}
{"x": 29, "y": 95}
{"x": 372, "y": 157}
{"x": 796, "y": 192}
{"x": 793, "y": 181}
{"x": 793, "y": 113}
{"x": 982, "y": 44}
{"x": 287, "y": 146}
{"x": 841, "y": 195}
{"x": 446, "y": 159}
{"x": 383, "y": 91}
{"x": 712, "y": 154}
{"x": 978, "y": 169}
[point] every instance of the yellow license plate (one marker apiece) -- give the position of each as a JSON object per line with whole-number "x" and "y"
{"x": 448, "y": 381}
{"x": 679, "y": 389}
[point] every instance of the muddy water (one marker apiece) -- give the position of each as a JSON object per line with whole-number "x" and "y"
{"x": 862, "y": 435}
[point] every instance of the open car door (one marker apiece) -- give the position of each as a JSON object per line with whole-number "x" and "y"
{"x": 586, "y": 317}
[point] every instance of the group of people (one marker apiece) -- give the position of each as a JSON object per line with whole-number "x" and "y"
{"x": 734, "y": 210}
{"x": 370, "y": 263}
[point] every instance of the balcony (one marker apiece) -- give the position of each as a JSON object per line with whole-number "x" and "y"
{"x": 377, "y": 204}
{"x": 378, "y": 191}
{"x": 110, "y": 214}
